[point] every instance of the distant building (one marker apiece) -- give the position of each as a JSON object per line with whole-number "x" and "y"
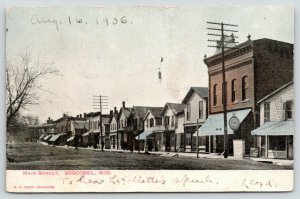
{"x": 114, "y": 138}
{"x": 196, "y": 107}
{"x": 138, "y": 115}
{"x": 125, "y": 127}
{"x": 253, "y": 69}
{"x": 153, "y": 130}
{"x": 277, "y": 123}
{"x": 171, "y": 112}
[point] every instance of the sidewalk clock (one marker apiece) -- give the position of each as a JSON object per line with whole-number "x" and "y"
{"x": 234, "y": 123}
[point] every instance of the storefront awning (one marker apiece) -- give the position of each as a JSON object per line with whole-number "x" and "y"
{"x": 143, "y": 135}
{"x": 214, "y": 125}
{"x": 47, "y": 137}
{"x": 276, "y": 128}
{"x": 86, "y": 134}
{"x": 55, "y": 137}
{"x": 42, "y": 136}
{"x": 70, "y": 139}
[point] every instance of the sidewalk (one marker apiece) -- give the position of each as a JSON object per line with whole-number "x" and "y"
{"x": 183, "y": 154}
{"x": 274, "y": 161}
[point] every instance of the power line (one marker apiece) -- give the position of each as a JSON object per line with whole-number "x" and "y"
{"x": 100, "y": 103}
{"x": 221, "y": 44}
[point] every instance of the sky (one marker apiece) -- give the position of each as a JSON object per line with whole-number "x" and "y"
{"x": 116, "y": 51}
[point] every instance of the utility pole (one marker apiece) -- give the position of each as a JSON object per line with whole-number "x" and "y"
{"x": 197, "y": 141}
{"x": 100, "y": 103}
{"x": 221, "y": 43}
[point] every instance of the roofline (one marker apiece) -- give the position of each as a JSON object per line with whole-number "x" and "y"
{"x": 168, "y": 104}
{"x": 276, "y": 91}
{"x": 193, "y": 89}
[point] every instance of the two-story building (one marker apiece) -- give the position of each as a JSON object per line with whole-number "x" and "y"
{"x": 125, "y": 127}
{"x": 139, "y": 113}
{"x": 195, "y": 109}
{"x": 91, "y": 138}
{"x": 253, "y": 69}
{"x": 170, "y": 115}
{"x": 277, "y": 124}
{"x": 77, "y": 126}
{"x": 113, "y": 134}
{"x": 153, "y": 130}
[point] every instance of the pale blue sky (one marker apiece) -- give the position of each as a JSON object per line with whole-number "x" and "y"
{"x": 122, "y": 60}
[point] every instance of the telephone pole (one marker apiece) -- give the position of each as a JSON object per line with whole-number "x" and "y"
{"x": 100, "y": 103}
{"x": 221, "y": 43}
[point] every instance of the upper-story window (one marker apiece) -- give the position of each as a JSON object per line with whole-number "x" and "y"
{"x": 244, "y": 87}
{"x": 151, "y": 122}
{"x": 288, "y": 107}
{"x": 215, "y": 96}
{"x": 188, "y": 111}
{"x": 200, "y": 109}
{"x": 233, "y": 90}
{"x": 267, "y": 112}
{"x": 173, "y": 121}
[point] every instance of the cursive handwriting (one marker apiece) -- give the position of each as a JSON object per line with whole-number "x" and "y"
{"x": 137, "y": 179}
{"x": 248, "y": 183}
{"x": 36, "y": 20}
{"x": 187, "y": 180}
{"x": 83, "y": 180}
{"x": 77, "y": 20}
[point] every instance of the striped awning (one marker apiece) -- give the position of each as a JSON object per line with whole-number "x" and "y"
{"x": 55, "y": 137}
{"x": 276, "y": 128}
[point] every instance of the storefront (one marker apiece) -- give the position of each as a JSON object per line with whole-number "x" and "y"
{"x": 275, "y": 139}
{"x": 211, "y": 133}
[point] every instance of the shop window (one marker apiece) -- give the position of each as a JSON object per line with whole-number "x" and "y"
{"x": 277, "y": 143}
{"x": 267, "y": 112}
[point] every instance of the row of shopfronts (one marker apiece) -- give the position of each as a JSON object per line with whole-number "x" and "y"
{"x": 263, "y": 106}
{"x": 167, "y": 129}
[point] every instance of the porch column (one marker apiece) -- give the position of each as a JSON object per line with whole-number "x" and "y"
{"x": 267, "y": 146}
{"x": 184, "y": 139}
{"x": 117, "y": 140}
{"x": 175, "y": 141}
{"x": 209, "y": 144}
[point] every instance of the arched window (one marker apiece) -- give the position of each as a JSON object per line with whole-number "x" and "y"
{"x": 244, "y": 87}
{"x": 215, "y": 96}
{"x": 233, "y": 90}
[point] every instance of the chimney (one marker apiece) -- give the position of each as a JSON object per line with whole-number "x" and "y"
{"x": 84, "y": 115}
{"x": 80, "y": 116}
{"x": 123, "y": 104}
{"x": 115, "y": 109}
{"x": 111, "y": 112}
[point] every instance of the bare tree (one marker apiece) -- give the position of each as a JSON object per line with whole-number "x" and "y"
{"x": 23, "y": 77}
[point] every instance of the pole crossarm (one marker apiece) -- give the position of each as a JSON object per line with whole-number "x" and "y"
{"x": 221, "y": 44}
{"x": 224, "y": 24}
{"x": 218, "y": 35}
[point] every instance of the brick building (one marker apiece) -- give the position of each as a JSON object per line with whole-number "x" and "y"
{"x": 253, "y": 69}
